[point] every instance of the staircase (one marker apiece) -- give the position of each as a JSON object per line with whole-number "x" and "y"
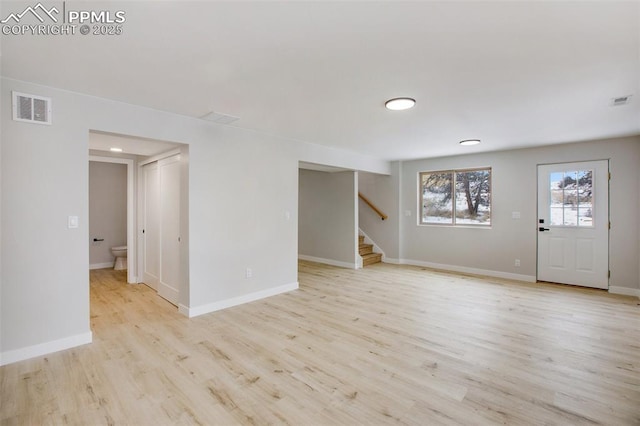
{"x": 367, "y": 254}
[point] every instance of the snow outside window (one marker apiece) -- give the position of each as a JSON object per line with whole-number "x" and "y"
{"x": 571, "y": 198}
{"x": 456, "y": 197}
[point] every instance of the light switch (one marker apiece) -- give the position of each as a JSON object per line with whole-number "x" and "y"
{"x": 407, "y": 212}
{"x": 73, "y": 222}
{"x": 515, "y": 215}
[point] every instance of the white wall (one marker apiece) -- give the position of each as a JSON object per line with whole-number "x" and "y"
{"x": 107, "y": 210}
{"x": 514, "y": 186}
{"x": 323, "y": 155}
{"x": 327, "y": 214}
{"x": 45, "y": 296}
{"x": 241, "y": 184}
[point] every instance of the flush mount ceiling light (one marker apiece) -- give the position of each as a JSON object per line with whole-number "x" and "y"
{"x": 469, "y": 142}
{"x": 115, "y": 149}
{"x": 400, "y": 104}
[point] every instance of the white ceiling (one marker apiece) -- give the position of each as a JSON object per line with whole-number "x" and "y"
{"x": 513, "y": 74}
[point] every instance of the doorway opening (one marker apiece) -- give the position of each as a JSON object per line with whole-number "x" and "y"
{"x": 328, "y": 215}
{"x": 137, "y": 153}
{"x": 105, "y": 213}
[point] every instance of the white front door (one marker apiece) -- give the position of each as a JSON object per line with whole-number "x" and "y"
{"x": 573, "y": 223}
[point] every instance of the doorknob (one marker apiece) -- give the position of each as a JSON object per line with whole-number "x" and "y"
{"x": 542, "y": 229}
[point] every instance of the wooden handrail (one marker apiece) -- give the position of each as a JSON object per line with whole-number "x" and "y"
{"x": 373, "y": 207}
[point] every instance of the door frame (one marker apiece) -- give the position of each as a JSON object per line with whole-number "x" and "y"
{"x": 608, "y": 189}
{"x": 132, "y": 262}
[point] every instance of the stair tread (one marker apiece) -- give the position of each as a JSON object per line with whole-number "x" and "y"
{"x": 370, "y": 255}
{"x": 365, "y": 249}
{"x": 371, "y": 258}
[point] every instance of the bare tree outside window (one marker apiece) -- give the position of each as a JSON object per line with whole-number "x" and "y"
{"x": 437, "y": 197}
{"x": 456, "y": 197}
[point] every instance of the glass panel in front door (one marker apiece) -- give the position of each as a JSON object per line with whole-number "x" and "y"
{"x": 571, "y": 198}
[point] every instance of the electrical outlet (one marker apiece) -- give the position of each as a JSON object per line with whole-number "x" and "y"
{"x": 249, "y": 273}
{"x": 518, "y": 262}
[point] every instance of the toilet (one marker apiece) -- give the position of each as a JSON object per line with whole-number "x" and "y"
{"x": 120, "y": 253}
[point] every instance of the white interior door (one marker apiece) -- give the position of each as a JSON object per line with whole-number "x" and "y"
{"x": 169, "y": 285}
{"x": 151, "y": 225}
{"x": 573, "y": 223}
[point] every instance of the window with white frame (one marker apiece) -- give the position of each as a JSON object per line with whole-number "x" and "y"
{"x": 455, "y": 197}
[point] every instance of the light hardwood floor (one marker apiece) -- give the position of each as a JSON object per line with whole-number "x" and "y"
{"x": 382, "y": 345}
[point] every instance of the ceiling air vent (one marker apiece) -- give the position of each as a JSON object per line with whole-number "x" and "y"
{"x": 219, "y": 118}
{"x": 31, "y": 108}
{"x": 621, "y": 100}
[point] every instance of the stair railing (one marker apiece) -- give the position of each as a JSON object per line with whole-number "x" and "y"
{"x": 373, "y": 207}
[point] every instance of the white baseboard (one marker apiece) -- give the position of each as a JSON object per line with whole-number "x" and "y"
{"x": 235, "y": 301}
{"x": 29, "y": 352}
{"x": 465, "y": 270}
{"x": 184, "y": 310}
{"x": 626, "y": 291}
{"x": 328, "y": 261}
{"x": 101, "y": 265}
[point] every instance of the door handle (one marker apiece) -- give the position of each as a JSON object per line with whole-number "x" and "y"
{"x": 542, "y": 229}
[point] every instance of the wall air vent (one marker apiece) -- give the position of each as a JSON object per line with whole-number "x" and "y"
{"x": 31, "y": 108}
{"x": 219, "y": 118}
{"x": 621, "y": 100}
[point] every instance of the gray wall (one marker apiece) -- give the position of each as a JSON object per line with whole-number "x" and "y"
{"x": 514, "y": 188}
{"x": 327, "y": 213}
{"x": 107, "y": 209}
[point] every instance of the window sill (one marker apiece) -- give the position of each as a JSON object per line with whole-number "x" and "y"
{"x": 436, "y": 225}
